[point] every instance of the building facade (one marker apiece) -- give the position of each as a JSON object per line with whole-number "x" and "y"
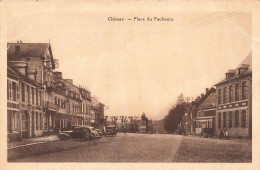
{"x": 24, "y": 103}
{"x": 206, "y": 111}
{"x": 234, "y": 101}
{"x": 39, "y": 100}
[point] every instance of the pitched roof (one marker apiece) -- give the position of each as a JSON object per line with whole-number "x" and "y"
{"x": 201, "y": 100}
{"x": 210, "y": 102}
{"x": 246, "y": 63}
{"x": 28, "y": 49}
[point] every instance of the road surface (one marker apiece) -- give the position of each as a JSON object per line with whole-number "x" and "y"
{"x": 152, "y": 148}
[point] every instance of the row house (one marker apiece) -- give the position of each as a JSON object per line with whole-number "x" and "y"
{"x": 74, "y": 103}
{"x": 234, "y": 101}
{"x": 35, "y": 62}
{"x": 24, "y": 102}
{"x": 206, "y": 111}
{"x": 97, "y": 113}
{"x": 86, "y": 105}
{"x": 40, "y": 101}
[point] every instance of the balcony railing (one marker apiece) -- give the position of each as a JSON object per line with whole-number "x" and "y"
{"x": 51, "y": 106}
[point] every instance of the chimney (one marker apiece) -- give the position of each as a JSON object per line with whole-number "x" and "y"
{"x": 207, "y": 90}
{"x": 202, "y": 94}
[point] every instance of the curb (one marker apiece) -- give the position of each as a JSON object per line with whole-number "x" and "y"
{"x": 29, "y": 144}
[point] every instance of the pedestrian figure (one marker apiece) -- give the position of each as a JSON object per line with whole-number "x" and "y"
{"x": 226, "y": 134}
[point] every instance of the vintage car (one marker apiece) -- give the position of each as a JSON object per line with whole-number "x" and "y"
{"x": 99, "y": 132}
{"x": 111, "y": 130}
{"x": 79, "y": 132}
{"x": 207, "y": 132}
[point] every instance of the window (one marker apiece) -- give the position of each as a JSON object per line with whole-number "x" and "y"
{"x": 237, "y": 118}
{"x": 224, "y": 95}
{"x": 40, "y": 121}
{"x": 236, "y": 92}
{"x": 59, "y": 102}
{"x": 219, "y": 120}
{"x": 230, "y": 119}
{"x": 9, "y": 85}
{"x": 243, "y": 120}
{"x": 32, "y": 95}
{"x": 37, "y": 121}
{"x": 219, "y": 96}
{"x": 28, "y": 94}
{"x": 37, "y": 102}
{"x": 9, "y": 120}
{"x": 17, "y": 49}
{"x": 13, "y": 93}
{"x": 243, "y": 90}
{"x": 40, "y": 93}
{"x": 13, "y": 121}
{"x": 224, "y": 119}
{"x": 23, "y": 93}
{"x": 230, "y": 93}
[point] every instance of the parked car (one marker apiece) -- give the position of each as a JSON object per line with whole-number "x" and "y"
{"x": 207, "y": 132}
{"x": 79, "y": 132}
{"x": 111, "y": 130}
{"x": 99, "y": 132}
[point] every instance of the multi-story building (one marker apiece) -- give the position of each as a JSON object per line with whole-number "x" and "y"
{"x": 234, "y": 101}
{"x": 24, "y": 102}
{"x": 40, "y": 64}
{"x": 206, "y": 111}
{"x": 39, "y": 100}
{"x": 74, "y": 102}
{"x": 97, "y": 108}
{"x": 86, "y": 104}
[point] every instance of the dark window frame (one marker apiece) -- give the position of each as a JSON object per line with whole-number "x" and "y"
{"x": 236, "y": 118}
{"x": 230, "y": 119}
{"x": 243, "y": 90}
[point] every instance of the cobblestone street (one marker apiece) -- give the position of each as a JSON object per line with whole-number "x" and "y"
{"x": 151, "y": 148}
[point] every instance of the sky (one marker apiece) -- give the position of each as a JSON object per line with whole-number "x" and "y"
{"x": 134, "y": 67}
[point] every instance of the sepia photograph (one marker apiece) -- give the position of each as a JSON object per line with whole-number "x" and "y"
{"x": 130, "y": 85}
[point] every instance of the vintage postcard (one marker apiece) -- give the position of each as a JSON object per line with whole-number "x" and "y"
{"x": 129, "y": 85}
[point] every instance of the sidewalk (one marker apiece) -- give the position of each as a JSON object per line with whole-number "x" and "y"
{"x": 31, "y": 141}
{"x": 42, "y": 145}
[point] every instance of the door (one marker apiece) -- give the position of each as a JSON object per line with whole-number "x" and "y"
{"x": 25, "y": 124}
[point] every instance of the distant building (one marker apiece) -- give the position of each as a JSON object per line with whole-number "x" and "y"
{"x": 234, "y": 100}
{"x": 97, "y": 112}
